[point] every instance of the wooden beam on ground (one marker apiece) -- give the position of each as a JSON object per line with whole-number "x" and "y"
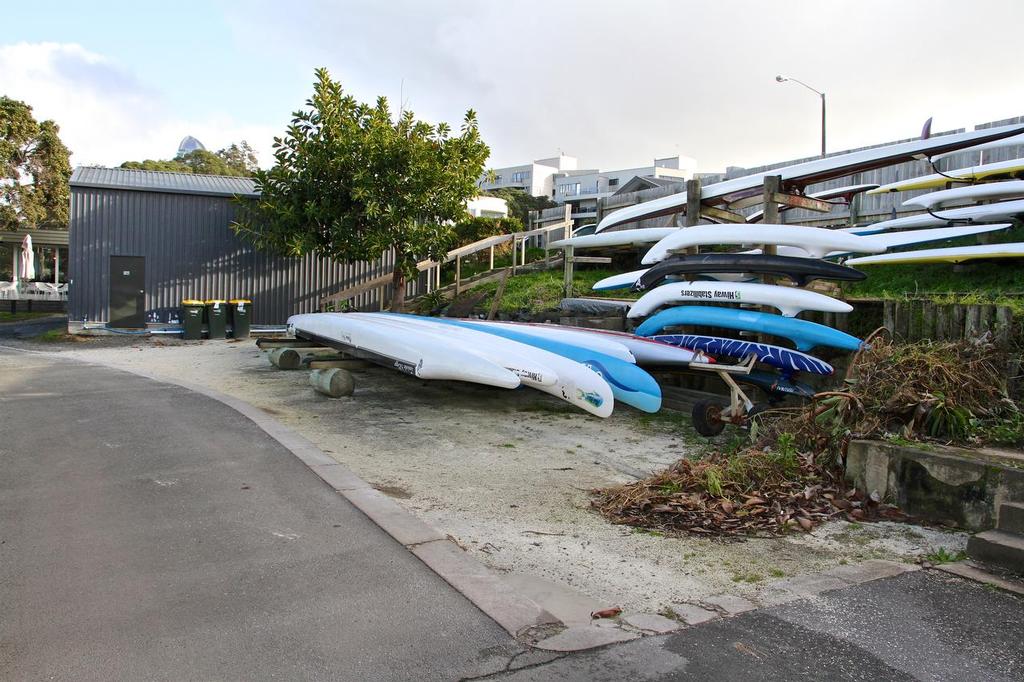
{"x": 592, "y": 259}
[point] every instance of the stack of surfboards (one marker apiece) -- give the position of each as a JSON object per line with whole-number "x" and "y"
{"x": 590, "y": 369}
{"x": 971, "y": 200}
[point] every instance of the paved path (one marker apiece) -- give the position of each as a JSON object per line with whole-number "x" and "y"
{"x": 924, "y": 625}
{"x": 150, "y": 533}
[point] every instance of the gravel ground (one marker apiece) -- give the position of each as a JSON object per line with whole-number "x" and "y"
{"x": 507, "y": 474}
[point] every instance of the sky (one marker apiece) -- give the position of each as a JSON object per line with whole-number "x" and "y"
{"x": 615, "y": 84}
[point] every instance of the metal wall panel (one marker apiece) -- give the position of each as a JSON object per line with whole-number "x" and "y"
{"x": 191, "y": 252}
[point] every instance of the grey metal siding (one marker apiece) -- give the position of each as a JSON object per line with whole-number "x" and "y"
{"x": 191, "y": 252}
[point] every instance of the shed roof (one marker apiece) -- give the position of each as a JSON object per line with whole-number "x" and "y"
{"x": 162, "y": 181}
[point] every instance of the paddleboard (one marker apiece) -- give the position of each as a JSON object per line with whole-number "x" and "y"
{"x": 536, "y": 368}
{"x": 800, "y": 270}
{"x": 421, "y": 357}
{"x": 893, "y": 240}
{"x": 998, "y": 144}
{"x": 646, "y": 351}
{"x": 989, "y": 191}
{"x": 846, "y": 193}
{"x": 1009, "y": 169}
{"x": 798, "y": 176}
{"x": 805, "y": 335}
{"x": 629, "y": 383}
{"x": 790, "y": 301}
{"x": 982, "y": 213}
{"x": 786, "y": 359}
{"x": 957, "y": 254}
{"x": 816, "y": 241}
{"x": 641, "y": 237}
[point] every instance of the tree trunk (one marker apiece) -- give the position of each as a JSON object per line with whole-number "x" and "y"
{"x": 398, "y": 287}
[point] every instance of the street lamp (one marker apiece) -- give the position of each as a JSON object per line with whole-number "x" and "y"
{"x": 783, "y": 79}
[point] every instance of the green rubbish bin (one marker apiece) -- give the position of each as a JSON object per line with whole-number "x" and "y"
{"x": 241, "y": 309}
{"x": 192, "y": 319}
{"x": 216, "y": 318}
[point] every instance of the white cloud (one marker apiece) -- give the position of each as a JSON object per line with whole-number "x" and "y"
{"x": 105, "y": 113}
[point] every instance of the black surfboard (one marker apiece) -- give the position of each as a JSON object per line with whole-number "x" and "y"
{"x": 800, "y": 270}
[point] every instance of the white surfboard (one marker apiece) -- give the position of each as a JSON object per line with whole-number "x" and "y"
{"x": 568, "y": 335}
{"x": 420, "y": 356}
{"x": 641, "y": 237}
{"x": 646, "y": 351}
{"x": 906, "y": 238}
{"x": 982, "y": 213}
{"x": 788, "y": 300}
{"x": 998, "y": 144}
{"x": 989, "y": 191}
{"x": 960, "y": 175}
{"x": 810, "y": 172}
{"x": 958, "y": 254}
{"x": 815, "y": 241}
{"x": 621, "y": 281}
{"x": 535, "y": 367}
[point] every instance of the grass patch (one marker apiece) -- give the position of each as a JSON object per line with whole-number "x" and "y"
{"x": 58, "y": 335}
{"x": 977, "y": 283}
{"x": 24, "y": 315}
{"x": 944, "y": 556}
{"x": 537, "y": 292}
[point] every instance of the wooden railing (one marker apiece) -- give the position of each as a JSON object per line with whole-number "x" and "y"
{"x": 518, "y": 240}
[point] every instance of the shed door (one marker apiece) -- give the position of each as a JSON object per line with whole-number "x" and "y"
{"x": 127, "y": 291}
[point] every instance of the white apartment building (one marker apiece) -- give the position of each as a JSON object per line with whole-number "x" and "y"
{"x": 582, "y": 188}
{"x": 535, "y": 178}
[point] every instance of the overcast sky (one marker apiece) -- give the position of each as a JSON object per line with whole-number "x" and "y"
{"x": 614, "y": 83}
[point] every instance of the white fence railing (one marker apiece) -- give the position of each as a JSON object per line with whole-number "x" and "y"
{"x": 33, "y": 291}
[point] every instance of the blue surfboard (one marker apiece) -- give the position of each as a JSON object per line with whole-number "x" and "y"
{"x": 787, "y": 360}
{"x": 806, "y": 335}
{"x": 629, "y": 384}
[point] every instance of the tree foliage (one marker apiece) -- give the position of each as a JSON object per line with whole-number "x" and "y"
{"x": 474, "y": 228}
{"x": 237, "y": 160}
{"x": 351, "y": 181}
{"x": 520, "y": 203}
{"x": 35, "y": 169}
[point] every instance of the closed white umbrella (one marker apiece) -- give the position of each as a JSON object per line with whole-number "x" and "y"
{"x": 28, "y": 259}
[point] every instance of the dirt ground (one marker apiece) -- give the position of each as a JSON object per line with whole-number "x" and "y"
{"x": 507, "y": 474}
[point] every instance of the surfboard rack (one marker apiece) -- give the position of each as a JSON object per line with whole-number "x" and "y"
{"x": 709, "y": 417}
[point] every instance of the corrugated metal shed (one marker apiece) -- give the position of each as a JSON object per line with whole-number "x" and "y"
{"x": 160, "y": 181}
{"x": 181, "y": 225}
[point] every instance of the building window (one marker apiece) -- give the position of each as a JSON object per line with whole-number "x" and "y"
{"x": 613, "y": 182}
{"x": 520, "y": 176}
{"x": 569, "y": 189}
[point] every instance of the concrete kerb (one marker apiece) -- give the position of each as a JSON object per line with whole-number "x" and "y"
{"x": 485, "y": 589}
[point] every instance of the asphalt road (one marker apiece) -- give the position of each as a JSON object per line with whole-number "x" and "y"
{"x": 924, "y": 625}
{"x": 147, "y": 532}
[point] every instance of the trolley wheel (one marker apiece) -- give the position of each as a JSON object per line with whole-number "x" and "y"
{"x": 706, "y": 418}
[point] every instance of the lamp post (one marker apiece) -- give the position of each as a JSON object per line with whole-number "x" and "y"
{"x": 783, "y": 79}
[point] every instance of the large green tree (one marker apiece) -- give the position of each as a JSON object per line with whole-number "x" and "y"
{"x": 237, "y": 159}
{"x": 351, "y": 181}
{"x": 35, "y": 169}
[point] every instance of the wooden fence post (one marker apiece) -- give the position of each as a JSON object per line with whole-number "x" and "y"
{"x": 567, "y": 271}
{"x": 458, "y": 275}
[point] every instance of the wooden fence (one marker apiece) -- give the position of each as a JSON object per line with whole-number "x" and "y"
{"x": 430, "y": 279}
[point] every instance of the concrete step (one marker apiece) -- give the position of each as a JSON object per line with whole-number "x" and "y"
{"x": 1011, "y": 517}
{"x": 998, "y": 548}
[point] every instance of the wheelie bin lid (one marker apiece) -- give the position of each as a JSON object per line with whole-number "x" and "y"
{"x": 214, "y": 301}
{"x": 236, "y": 301}
{"x": 192, "y": 301}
